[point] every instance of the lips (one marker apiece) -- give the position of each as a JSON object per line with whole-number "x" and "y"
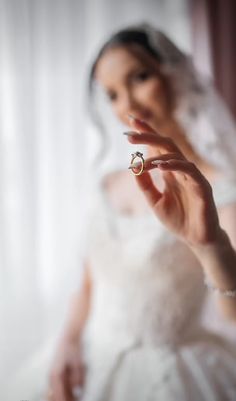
{"x": 144, "y": 115}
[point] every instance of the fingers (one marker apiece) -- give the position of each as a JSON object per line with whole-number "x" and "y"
{"x": 161, "y": 143}
{"x": 139, "y": 125}
{"x": 76, "y": 376}
{"x": 148, "y": 163}
{"x": 169, "y": 162}
{"x": 183, "y": 166}
{"x": 140, "y": 135}
{"x": 188, "y": 170}
{"x": 145, "y": 183}
{"x": 77, "y": 392}
{"x": 60, "y": 389}
{"x": 173, "y": 162}
{"x": 60, "y": 392}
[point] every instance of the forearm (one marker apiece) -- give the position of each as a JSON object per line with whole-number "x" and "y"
{"x": 218, "y": 260}
{"x": 78, "y": 312}
{"x": 76, "y": 319}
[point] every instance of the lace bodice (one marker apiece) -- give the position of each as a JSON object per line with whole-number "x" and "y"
{"x": 148, "y": 285}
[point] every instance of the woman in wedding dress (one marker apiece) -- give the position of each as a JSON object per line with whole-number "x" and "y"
{"x": 159, "y": 239}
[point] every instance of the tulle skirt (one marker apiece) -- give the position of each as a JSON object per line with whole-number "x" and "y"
{"x": 203, "y": 370}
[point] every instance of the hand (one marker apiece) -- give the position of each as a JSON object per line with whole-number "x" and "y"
{"x": 67, "y": 373}
{"x": 186, "y": 206}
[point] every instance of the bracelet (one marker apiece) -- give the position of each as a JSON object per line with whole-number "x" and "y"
{"x": 225, "y": 293}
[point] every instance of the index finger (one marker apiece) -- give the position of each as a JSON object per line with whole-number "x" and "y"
{"x": 154, "y": 139}
{"x": 60, "y": 390}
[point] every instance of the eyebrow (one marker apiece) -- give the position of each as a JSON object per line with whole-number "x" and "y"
{"x": 134, "y": 70}
{"x": 129, "y": 74}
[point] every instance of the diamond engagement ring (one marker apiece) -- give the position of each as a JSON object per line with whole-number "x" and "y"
{"x": 140, "y": 156}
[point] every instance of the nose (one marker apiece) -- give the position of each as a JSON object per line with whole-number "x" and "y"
{"x": 129, "y": 104}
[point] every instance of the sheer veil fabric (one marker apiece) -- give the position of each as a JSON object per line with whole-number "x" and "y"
{"x": 208, "y": 124}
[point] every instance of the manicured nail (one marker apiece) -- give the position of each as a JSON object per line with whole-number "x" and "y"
{"x": 77, "y": 391}
{"x": 157, "y": 162}
{"x": 135, "y": 165}
{"x": 131, "y": 133}
{"x": 131, "y": 117}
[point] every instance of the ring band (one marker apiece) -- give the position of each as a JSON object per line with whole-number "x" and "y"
{"x": 140, "y": 156}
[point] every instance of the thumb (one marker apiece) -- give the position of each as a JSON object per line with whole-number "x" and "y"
{"x": 76, "y": 376}
{"x": 150, "y": 191}
{"x": 139, "y": 125}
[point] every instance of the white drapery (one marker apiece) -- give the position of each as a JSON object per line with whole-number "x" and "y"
{"x": 45, "y": 50}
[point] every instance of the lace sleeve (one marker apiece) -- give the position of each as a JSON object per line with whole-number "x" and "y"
{"x": 224, "y": 191}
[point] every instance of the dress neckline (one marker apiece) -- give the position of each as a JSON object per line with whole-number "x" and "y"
{"x": 218, "y": 184}
{"x": 118, "y": 214}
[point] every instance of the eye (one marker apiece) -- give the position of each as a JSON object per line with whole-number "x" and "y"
{"x": 142, "y": 76}
{"x": 112, "y": 96}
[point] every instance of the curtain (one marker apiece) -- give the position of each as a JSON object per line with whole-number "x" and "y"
{"x": 214, "y": 33}
{"x": 46, "y": 143}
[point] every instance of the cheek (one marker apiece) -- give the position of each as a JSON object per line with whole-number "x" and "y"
{"x": 155, "y": 95}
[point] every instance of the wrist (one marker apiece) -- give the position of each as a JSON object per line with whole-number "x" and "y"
{"x": 218, "y": 260}
{"x": 216, "y": 247}
{"x": 70, "y": 337}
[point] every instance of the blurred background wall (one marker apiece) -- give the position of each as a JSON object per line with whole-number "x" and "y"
{"x": 46, "y": 48}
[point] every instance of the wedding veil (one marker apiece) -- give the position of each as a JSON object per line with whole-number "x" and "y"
{"x": 207, "y": 123}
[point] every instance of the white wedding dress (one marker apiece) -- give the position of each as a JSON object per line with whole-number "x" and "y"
{"x": 143, "y": 340}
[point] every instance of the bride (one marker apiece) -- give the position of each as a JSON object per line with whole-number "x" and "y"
{"x": 162, "y": 236}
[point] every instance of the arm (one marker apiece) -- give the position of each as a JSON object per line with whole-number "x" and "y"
{"x": 187, "y": 208}
{"x": 219, "y": 260}
{"x": 68, "y": 371}
{"x": 78, "y": 309}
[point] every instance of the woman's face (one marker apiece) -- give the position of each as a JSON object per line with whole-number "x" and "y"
{"x": 134, "y": 85}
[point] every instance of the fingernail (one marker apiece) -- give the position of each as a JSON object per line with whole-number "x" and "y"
{"x": 157, "y": 162}
{"x": 131, "y": 117}
{"x": 134, "y": 165}
{"x": 131, "y": 133}
{"x": 77, "y": 391}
